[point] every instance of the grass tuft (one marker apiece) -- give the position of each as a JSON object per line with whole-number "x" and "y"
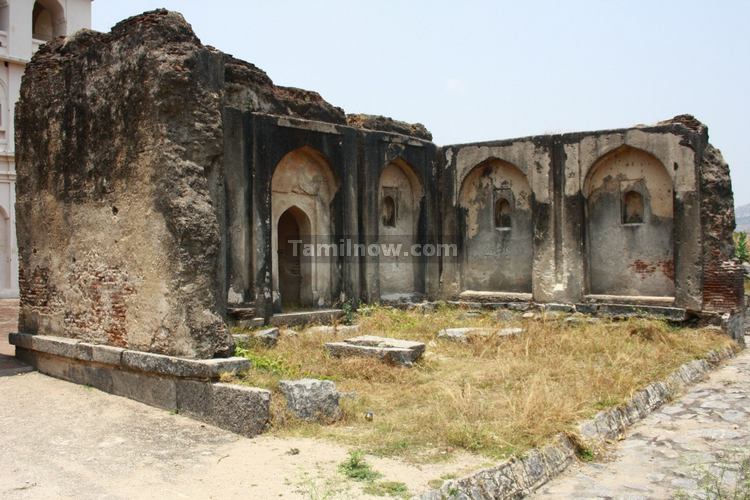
{"x": 355, "y": 467}
{"x": 387, "y": 489}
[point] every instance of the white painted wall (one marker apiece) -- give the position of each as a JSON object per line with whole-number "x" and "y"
{"x": 62, "y": 18}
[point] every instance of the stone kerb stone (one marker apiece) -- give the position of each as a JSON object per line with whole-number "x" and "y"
{"x": 402, "y": 352}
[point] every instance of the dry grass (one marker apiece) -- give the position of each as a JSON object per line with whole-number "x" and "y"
{"x": 496, "y": 396}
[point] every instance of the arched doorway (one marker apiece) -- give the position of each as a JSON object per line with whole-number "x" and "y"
{"x": 400, "y": 194}
{"x": 302, "y": 190}
{"x": 629, "y": 225}
{"x": 294, "y": 266}
{"x": 496, "y": 205}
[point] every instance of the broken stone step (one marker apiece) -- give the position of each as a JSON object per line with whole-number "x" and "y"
{"x": 402, "y": 352}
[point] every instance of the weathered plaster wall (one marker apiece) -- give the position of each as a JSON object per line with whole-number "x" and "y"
{"x": 497, "y": 254}
{"x": 579, "y": 253}
{"x": 398, "y": 227}
{"x": 629, "y": 256}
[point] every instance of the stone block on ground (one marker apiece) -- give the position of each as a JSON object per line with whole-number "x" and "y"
{"x": 312, "y": 400}
{"x": 402, "y": 352}
{"x": 465, "y": 334}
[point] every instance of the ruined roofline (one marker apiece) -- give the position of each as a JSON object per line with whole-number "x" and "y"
{"x": 305, "y": 123}
{"x": 241, "y": 76}
{"x": 674, "y": 125}
{"x": 244, "y": 85}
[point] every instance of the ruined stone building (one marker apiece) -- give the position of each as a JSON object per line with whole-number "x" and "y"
{"x": 162, "y": 183}
{"x": 24, "y": 26}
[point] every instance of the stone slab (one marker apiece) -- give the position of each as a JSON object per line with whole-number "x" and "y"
{"x": 403, "y": 352}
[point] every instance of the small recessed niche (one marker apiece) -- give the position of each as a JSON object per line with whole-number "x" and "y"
{"x": 389, "y": 211}
{"x": 115, "y": 210}
{"x": 632, "y": 208}
{"x": 503, "y": 212}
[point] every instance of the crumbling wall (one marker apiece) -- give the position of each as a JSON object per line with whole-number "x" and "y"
{"x": 148, "y": 197}
{"x": 723, "y": 280}
{"x": 118, "y": 135}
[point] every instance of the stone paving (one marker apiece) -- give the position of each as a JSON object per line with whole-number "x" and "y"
{"x": 706, "y": 433}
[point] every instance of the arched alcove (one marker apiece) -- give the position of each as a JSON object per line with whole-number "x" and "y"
{"x": 302, "y": 189}
{"x": 496, "y": 209}
{"x": 47, "y": 20}
{"x": 400, "y": 193}
{"x": 503, "y": 214}
{"x": 629, "y": 225}
{"x": 4, "y": 16}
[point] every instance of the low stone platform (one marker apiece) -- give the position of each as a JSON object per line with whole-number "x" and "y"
{"x": 303, "y": 317}
{"x": 187, "y": 386}
{"x": 401, "y": 352}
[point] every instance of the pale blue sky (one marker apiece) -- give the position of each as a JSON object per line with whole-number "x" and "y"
{"x": 480, "y": 70}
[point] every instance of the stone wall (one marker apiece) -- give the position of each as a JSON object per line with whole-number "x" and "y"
{"x": 158, "y": 177}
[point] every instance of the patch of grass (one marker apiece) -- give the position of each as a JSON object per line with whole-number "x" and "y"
{"x": 495, "y": 397}
{"x": 387, "y": 489}
{"x": 747, "y": 286}
{"x": 355, "y": 467}
{"x": 586, "y": 454}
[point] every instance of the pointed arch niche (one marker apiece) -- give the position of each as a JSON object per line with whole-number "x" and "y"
{"x": 629, "y": 225}
{"x": 302, "y": 189}
{"x": 400, "y": 194}
{"x": 496, "y": 206}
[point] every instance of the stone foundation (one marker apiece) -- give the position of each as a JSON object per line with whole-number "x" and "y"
{"x": 176, "y": 384}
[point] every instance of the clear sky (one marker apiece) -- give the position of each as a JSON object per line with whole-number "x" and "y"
{"x": 479, "y": 70}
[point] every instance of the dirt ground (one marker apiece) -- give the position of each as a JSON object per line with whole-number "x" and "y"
{"x": 62, "y": 440}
